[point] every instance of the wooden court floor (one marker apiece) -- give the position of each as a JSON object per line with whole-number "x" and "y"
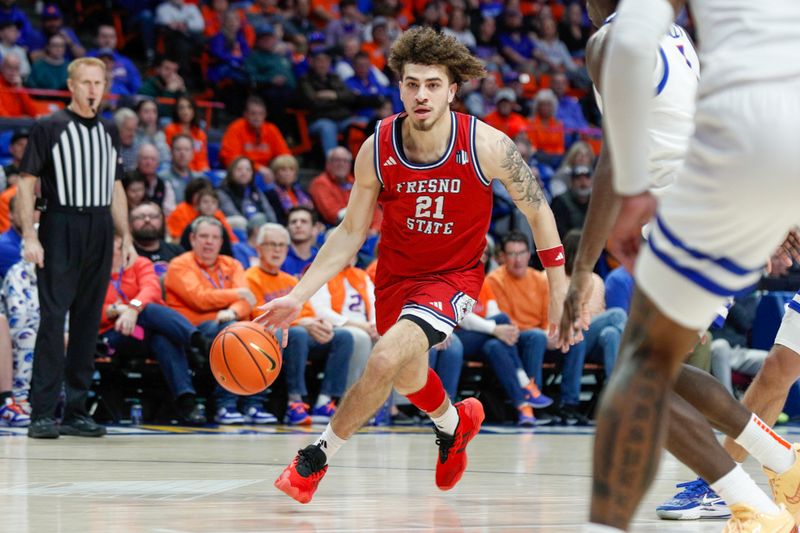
{"x": 159, "y": 480}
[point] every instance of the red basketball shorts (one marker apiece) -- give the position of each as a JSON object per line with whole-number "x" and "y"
{"x": 440, "y": 300}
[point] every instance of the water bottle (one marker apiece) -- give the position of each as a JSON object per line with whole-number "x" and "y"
{"x": 136, "y": 413}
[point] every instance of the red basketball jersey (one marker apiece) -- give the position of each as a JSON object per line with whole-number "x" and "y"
{"x": 435, "y": 216}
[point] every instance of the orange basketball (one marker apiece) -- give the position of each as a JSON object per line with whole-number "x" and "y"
{"x": 245, "y": 358}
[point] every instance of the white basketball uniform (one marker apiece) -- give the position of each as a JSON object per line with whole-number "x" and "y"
{"x": 675, "y": 84}
{"x": 733, "y": 201}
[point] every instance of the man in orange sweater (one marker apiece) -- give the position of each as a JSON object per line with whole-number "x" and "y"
{"x": 522, "y": 294}
{"x": 210, "y": 290}
{"x": 308, "y": 335}
{"x": 253, "y": 137}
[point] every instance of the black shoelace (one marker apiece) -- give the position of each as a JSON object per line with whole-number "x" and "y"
{"x": 444, "y": 442}
{"x": 310, "y": 460}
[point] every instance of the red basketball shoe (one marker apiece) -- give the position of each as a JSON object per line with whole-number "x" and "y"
{"x": 300, "y": 479}
{"x": 453, "y": 449}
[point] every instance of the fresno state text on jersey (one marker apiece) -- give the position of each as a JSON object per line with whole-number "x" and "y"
{"x": 435, "y": 215}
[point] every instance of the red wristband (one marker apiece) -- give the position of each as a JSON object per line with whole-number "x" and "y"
{"x": 552, "y": 257}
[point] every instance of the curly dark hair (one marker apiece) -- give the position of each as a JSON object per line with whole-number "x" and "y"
{"x": 426, "y": 46}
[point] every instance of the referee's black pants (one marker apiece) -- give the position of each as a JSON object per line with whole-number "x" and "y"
{"x": 78, "y": 248}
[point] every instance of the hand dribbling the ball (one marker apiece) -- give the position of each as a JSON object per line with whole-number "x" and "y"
{"x": 279, "y": 314}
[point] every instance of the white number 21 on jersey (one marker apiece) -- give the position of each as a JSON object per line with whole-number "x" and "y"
{"x": 424, "y": 207}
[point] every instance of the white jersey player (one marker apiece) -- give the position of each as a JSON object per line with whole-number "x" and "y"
{"x": 729, "y": 208}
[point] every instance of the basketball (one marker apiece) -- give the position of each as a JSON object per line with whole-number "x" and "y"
{"x": 245, "y": 358}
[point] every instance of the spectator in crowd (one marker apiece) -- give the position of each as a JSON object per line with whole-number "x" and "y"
{"x": 12, "y": 411}
{"x": 20, "y": 304}
{"x": 10, "y": 172}
{"x": 156, "y": 189}
{"x": 555, "y": 56}
{"x": 166, "y": 83}
{"x": 211, "y": 291}
{"x": 271, "y": 73}
{"x": 301, "y": 223}
{"x": 569, "y": 208}
{"x": 213, "y": 13}
{"x": 198, "y": 195}
{"x": 514, "y": 43}
{"x": 141, "y": 18}
{"x": 458, "y": 27}
{"x": 10, "y": 12}
{"x": 185, "y": 121}
{"x": 133, "y": 309}
{"x": 368, "y": 91}
{"x": 208, "y": 206}
{"x": 447, "y": 359}
{"x": 127, "y": 123}
{"x": 287, "y": 192}
{"x": 569, "y": 112}
{"x": 348, "y": 301}
{"x": 9, "y": 37}
{"x": 482, "y": 102}
{"x": 50, "y": 71}
{"x": 504, "y": 118}
{"x": 574, "y": 30}
{"x": 487, "y": 332}
{"x": 238, "y": 195}
{"x": 619, "y": 289}
{"x": 487, "y": 42}
{"x": 328, "y": 100}
{"x": 254, "y": 138}
{"x": 228, "y": 51}
{"x": 522, "y": 294}
{"x": 14, "y": 102}
{"x": 378, "y": 48}
{"x": 135, "y": 185}
{"x": 181, "y": 24}
{"x": 580, "y": 154}
{"x": 147, "y": 230}
{"x": 179, "y": 173}
{"x": 349, "y": 24}
{"x": 246, "y": 252}
{"x": 10, "y": 243}
{"x": 148, "y": 131}
{"x": 125, "y": 77}
{"x": 545, "y": 130}
{"x": 310, "y": 337}
{"x": 53, "y": 24}
{"x": 606, "y": 325}
{"x": 330, "y": 190}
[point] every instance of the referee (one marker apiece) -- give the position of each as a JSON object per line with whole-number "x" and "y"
{"x": 76, "y": 156}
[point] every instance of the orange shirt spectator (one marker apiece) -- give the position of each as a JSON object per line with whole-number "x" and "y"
{"x": 139, "y": 282}
{"x": 376, "y": 53}
{"x": 200, "y": 161}
{"x": 260, "y": 144}
{"x": 213, "y": 20}
{"x": 324, "y": 11}
{"x": 511, "y": 125}
{"x": 547, "y": 136}
{"x": 14, "y": 101}
{"x": 199, "y": 292}
{"x": 266, "y": 287}
{"x": 185, "y": 213}
{"x": 5, "y": 210}
{"x": 525, "y": 300}
{"x": 484, "y": 297}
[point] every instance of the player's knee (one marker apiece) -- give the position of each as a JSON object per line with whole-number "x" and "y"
{"x": 382, "y": 365}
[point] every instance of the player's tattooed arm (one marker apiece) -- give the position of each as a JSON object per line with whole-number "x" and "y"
{"x": 521, "y": 183}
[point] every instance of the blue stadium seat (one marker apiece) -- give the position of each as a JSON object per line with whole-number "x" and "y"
{"x": 5, "y": 143}
{"x": 213, "y": 154}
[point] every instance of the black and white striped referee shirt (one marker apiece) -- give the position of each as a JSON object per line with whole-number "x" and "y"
{"x": 76, "y": 158}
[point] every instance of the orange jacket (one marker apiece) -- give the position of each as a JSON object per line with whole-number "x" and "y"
{"x": 511, "y": 125}
{"x": 357, "y": 279}
{"x": 547, "y": 137}
{"x": 486, "y": 295}
{"x": 268, "y": 286}
{"x": 200, "y": 160}
{"x": 16, "y": 102}
{"x": 524, "y": 300}
{"x": 330, "y": 198}
{"x": 260, "y": 147}
{"x": 199, "y": 292}
{"x": 185, "y": 213}
{"x": 5, "y": 207}
{"x": 376, "y": 54}
{"x": 139, "y": 282}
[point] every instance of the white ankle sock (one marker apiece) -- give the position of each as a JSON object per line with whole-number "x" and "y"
{"x": 766, "y": 446}
{"x": 599, "y": 528}
{"x": 322, "y": 399}
{"x": 329, "y": 443}
{"x": 523, "y": 378}
{"x": 448, "y": 422}
{"x": 738, "y": 487}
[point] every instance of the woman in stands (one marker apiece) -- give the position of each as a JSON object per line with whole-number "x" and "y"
{"x": 287, "y": 193}
{"x": 239, "y": 198}
{"x": 184, "y": 120}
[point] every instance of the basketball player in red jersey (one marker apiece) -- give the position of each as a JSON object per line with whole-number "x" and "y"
{"x": 431, "y": 169}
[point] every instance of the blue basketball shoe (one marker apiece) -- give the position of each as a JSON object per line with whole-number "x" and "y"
{"x": 697, "y": 500}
